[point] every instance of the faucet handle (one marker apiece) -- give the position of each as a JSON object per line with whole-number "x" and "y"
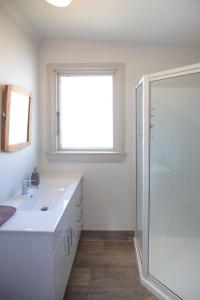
{"x": 26, "y": 184}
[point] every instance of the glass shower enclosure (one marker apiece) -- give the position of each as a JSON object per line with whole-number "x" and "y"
{"x": 168, "y": 182}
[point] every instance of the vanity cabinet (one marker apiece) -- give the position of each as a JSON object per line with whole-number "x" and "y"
{"x": 66, "y": 241}
{"x": 36, "y": 265}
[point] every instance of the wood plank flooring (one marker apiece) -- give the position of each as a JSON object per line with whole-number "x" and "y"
{"x": 105, "y": 268}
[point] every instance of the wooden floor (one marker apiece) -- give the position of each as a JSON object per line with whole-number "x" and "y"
{"x": 105, "y": 268}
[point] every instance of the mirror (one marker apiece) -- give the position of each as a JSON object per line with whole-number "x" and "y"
{"x": 16, "y": 118}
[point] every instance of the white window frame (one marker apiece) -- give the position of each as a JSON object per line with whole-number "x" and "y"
{"x": 54, "y": 152}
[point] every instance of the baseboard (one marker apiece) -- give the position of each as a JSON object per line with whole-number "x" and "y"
{"x": 107, "y": 235}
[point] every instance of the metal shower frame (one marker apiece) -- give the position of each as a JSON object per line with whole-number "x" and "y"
{"x": 147, "y": 280}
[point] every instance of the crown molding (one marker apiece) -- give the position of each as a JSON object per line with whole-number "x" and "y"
{"x": 20, "y": 19}
{"x": 112, "y": 45}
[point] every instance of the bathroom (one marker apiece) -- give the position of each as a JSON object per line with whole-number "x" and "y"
{"x": 133, "y": 36}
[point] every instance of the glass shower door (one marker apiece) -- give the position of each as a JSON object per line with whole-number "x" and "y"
{"x": 174, "y": 228}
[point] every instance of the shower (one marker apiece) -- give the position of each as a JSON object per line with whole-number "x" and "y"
{"x": 168, "y": 182}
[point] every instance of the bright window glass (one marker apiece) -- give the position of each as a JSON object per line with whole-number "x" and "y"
{"x": 86, "y": 112}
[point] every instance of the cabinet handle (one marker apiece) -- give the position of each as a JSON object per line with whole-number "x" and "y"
{"x": 78, "y": 221}
{"x": 70, "y": 232}
{"x": 78, "y": 205}
{"x": 66, "y": 248}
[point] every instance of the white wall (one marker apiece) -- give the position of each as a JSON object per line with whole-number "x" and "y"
{"x": 18, "y": 65}
{"x": 109, "y": 188}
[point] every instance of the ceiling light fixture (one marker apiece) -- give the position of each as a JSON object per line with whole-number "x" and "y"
{"x": 59, "y": 3}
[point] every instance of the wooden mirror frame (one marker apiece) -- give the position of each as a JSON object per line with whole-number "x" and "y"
{"x": 6, "y": 118}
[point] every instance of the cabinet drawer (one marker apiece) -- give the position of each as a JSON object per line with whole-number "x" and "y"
{"x": 78, "y": 218}
{"x": 64, "y": 223}
{"x": 61, "y": 268}
{"x": 77, "y": 198}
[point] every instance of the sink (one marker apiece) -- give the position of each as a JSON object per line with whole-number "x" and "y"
{"x": 41, "y": 210}
{"x": 46, "y": 197}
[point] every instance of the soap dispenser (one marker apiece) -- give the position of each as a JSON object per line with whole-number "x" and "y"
{"x": 35, "y": 177}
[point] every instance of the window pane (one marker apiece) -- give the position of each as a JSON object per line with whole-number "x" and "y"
{"x": 86, "y": 111}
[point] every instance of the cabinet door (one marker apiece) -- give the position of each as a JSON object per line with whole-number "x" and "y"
{"x": 67, "y": 232}
{"x": 77, "y": 224}
{"x": 76, "y": 220}
{"x": 61, "y": 266}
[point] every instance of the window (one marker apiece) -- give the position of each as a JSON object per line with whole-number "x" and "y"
{"x": 85, "y": 111}
{"x": 87, "y": 107}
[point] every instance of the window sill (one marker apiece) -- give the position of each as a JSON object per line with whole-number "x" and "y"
{"x": 86, "y": 156}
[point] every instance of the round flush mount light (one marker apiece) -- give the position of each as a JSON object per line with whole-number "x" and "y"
{"x": 59, "y": 3}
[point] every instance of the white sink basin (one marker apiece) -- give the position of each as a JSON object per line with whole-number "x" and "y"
{"x": 47, "y": 195}
{"x": 42, "y": 208}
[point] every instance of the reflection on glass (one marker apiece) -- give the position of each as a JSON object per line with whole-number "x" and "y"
{"x": 19, "y": 113}
{"x": 174, "y": 236}
{"x": 139, "y": 102}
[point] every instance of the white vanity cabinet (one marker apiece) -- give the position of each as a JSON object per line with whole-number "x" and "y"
{"x": 66, "y": 241}
{"x": 35, "y": 265}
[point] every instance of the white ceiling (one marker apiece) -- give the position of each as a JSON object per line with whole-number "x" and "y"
{"x": 154, "y": 22}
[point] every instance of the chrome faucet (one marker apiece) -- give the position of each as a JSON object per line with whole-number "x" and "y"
{"x": 26, "y": 185}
